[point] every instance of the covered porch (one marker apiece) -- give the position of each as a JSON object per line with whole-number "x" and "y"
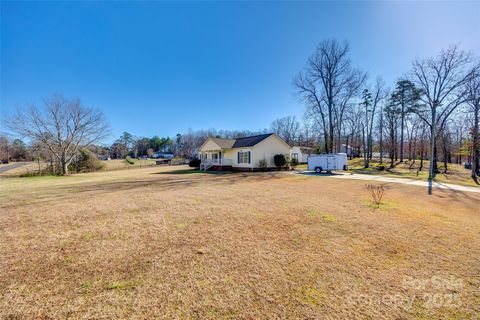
{"x": 214, "y": 159}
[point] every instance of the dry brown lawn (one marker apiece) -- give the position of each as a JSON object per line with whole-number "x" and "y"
{"x": 32, "y": 167}
{"x": 456, "y": 173}
{"x": 152, "y": 243}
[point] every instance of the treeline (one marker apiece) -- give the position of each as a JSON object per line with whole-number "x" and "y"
{"x": 431, "y": 112}
{"x": 128, "y": 145}
{"x": 182, "y": 145}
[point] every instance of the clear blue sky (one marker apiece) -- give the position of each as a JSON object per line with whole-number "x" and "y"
{"x": 159, "y": 68}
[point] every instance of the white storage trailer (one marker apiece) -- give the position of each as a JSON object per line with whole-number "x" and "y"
{"x": 327, "y": 162}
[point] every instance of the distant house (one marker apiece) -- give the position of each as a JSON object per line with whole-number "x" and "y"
{"x": 301, "y": 153}
{"x": 162, "y": 155}
{"x": 104, "y": 157}
{"x": 243, "y": 154}
{"x": 197, "y": 154}
{"x": 385, "y": 154}
{"x": 351, "y": 152}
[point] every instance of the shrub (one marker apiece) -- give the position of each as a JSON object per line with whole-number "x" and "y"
{"x": 129, "y": 160}
{"x": 376, "y": 191}
{"x": 294, "y": 163}
{"x": 263, "y": 164}
{"x": 36, "y": 174}
{"x": 195, "y": 163}
{"x": 178, "y": 160}
{"x": 279, "y": 160}
{"x": 85, "y": 161}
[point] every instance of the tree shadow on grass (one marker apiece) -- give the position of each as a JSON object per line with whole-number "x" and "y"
{"x": 323, "y": 174}
{"x": 167, "y": 181}
{"x": 194, "y": 171}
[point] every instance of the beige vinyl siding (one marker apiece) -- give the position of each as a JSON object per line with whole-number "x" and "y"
{"x": 233, "y": 154}
{"x": 267, "y": 149}
{"x": 209, "y": 145}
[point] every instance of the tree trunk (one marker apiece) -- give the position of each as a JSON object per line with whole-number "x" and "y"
{"x": 433, "y": 159}
{"x": 422, "y": 152}
{"x": 402, "y": 127}
{"x": 381, "y": 147}
{"x": 445, "y": 162}
{"x": 365, "y": 152}
{"x": 410, "y": 143}
{"x": 414, "y": 151}
{"x": 392, "y": 156}
{"x": 64, "y": 165}
{"x": 346, "y": 148}
{"x": 476, "y": 156}
{"x": 325, "y": 137}
{"x": 392, "y": 147}
{"x": 330, "y": 126}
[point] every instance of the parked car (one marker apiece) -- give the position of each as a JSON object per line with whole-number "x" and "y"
{"x": 327, "y": 162}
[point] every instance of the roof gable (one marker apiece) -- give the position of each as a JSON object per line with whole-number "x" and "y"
{"x": 220, "y": 143}
{"x": 224, "y": 143}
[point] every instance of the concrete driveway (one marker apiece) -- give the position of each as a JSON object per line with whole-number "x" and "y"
{"x": 11, "y": 166}
{"x": 419, "y": 183}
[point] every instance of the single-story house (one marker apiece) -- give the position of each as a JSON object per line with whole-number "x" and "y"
{"x": 243, "y": 154}
{"x": 351, "y": 152}
{"x": 301, "y": 153}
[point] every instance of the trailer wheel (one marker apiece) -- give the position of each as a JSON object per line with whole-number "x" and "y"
{"x": 318, "y": 170}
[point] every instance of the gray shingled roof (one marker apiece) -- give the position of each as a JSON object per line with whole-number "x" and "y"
{"x": 250, "y": 141}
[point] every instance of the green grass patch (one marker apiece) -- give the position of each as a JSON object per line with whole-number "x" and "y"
{"x": 68, "y": 259}
{"x": 312, "y": 296}
{"x": 329, "y": 217}
{"x": 116, "y": 285}
{"x": 88, "y": 236}
{"x": 64, "y": 242}
{"x": 313, "y": 214}
{"x": 387, "y": 204}
{"x": 323, "y": 215}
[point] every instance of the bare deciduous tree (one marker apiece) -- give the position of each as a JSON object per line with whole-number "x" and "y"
{"x": 327, "y": 85}
{"x": 4, "y": 148}
{"x": 287, "y": 128}
{"x": 377, "y": 98}
{"x": 473, "y": 93}
{"x": 442, "y": 80}
{"x": 63, "y": 126}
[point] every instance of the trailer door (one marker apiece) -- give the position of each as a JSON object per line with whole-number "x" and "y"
{"x": 331, "y": 163}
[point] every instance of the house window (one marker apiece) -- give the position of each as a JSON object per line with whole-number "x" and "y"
{"x": 244, "y": 157}
{"x": 295, "y": 156}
